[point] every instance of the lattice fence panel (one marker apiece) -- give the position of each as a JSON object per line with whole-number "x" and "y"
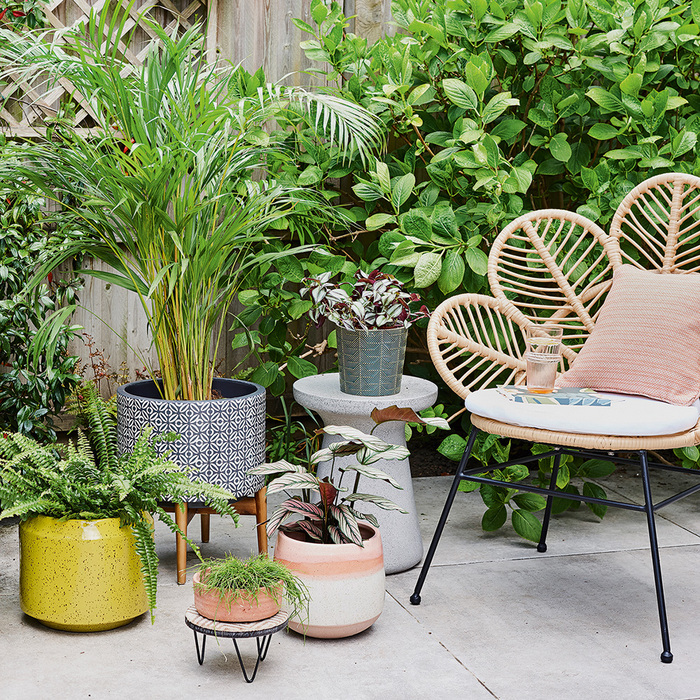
{"x": 25, "y": 106}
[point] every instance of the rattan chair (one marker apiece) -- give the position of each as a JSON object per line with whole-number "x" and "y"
{"x": 557, "y": 265}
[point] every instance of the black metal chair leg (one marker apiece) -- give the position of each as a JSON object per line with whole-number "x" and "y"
{"x": 542, "y": 546}
{"x": 415, "y": 598}
{"x": 666, "y": 655}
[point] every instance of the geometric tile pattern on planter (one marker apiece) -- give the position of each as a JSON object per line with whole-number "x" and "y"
{"x": 220, "y": 439}
{"x": 371, "y": 362}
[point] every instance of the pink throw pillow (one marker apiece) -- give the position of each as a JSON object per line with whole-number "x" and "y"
{"x": 646, "y": 340}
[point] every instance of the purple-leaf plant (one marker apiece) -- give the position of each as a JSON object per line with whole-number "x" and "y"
{"x": 377, "y": 300}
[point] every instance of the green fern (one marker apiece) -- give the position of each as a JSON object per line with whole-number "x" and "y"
{"x": 89, "y": 480}
{"x": 146, "y": 549}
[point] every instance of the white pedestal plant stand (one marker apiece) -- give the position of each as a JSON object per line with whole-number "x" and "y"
{"x": 403, "y": 546}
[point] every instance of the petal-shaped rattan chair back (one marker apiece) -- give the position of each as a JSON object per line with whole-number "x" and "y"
{"x": 657, "y": 225}
{"x": 552, "y": 266}
{"x": 473, "y": 344}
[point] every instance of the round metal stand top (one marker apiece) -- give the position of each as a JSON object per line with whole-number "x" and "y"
{"x": 239, "y": 630}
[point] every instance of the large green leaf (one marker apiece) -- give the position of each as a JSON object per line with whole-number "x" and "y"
{"x": 526, "y": 525}
{"x": 497, "y": 105}
{"x": 453, "y": 447}
{"x": 559, "y": 147}
{"x": 402, "y": 190}
{"x": 427, "y": 269}
{"x": 477, "y": 260}
{"x": 452, "y": 272}
{"x": 494, "y": 518}
{"x": 299, "y": 367}
{"x": 594, "y": 491}
{"x": 460, "y": 94}
{"x": 377, "y": 221}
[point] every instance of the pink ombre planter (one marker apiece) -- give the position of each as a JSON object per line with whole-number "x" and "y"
{"x": 346, "y": 583}
{"x": 238, "y": 606}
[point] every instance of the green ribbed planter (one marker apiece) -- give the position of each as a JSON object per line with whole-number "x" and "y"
{"x": 371, "y": 362}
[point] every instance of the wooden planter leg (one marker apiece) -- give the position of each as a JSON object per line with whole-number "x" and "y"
{"x": 180, "y": 544}
{"x": 261, "y": 518}
{"x": 205, "y": 521}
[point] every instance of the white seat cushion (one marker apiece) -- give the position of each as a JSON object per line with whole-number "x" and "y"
{"x": 627, "y": 415}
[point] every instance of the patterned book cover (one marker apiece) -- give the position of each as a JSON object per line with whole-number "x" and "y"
{"x": 569, "y": 396}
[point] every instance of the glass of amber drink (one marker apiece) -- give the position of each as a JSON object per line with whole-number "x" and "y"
{"x": 542, "y": 356}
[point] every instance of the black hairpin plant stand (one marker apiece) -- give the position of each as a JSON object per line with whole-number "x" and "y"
{"x": 261, "y": 631}
{"x": 649, "y": 507}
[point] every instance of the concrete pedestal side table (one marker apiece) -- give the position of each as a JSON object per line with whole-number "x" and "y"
{"x": 403, "y": 546}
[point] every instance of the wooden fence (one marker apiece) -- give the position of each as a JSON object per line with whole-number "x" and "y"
{"x": 253, "y": 33}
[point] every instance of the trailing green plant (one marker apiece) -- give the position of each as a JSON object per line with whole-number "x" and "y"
{"x": 88, "y": 480}
{"x": 33, "y": 389}
{"x": 575, "y": 476}
{"x": 247, "y": 578}
{"x": 163, "y": 188}
{"x": 334, "y": 518}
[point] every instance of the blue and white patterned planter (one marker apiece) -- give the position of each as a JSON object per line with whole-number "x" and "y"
{"x": 219, "y": 439}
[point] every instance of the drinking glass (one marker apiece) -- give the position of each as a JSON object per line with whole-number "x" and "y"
{"x": 542, "y": 357}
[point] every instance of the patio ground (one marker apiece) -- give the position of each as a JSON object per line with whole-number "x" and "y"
{"x": 498, "y": 620}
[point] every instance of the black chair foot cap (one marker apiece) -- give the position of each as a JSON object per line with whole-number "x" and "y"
{"x": 666, "y": 657}
{"x": 541, "y": 547}
{"x": 415, "y": 599}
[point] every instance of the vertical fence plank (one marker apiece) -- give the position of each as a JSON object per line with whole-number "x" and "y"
{"x": 372, "y": 18}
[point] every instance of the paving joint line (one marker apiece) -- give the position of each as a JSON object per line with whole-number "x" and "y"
{"x": 538, "y": 556}
{"x": 442, "y": 644}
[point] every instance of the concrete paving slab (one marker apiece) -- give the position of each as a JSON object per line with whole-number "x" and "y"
{"x": 498, "y": 620}
{"x": 686, "y": 513}
{"x": 579, "y": 532}
{"x": 565, "y": 627}
{"x": 158, "y": 661}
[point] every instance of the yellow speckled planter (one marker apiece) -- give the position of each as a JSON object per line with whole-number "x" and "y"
{"x": 80, "y": 575}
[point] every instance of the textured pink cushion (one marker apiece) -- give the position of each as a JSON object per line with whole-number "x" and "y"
{"x": 646, "y": 340}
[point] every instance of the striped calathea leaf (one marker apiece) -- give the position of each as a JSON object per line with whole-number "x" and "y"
{"x": 278, "y": 467}
{"x": 379, "y": 501}
{"x": 324, "y": 511}
{"x": 293, "y": 480}
{"x": 367, "y": 456}
{"x": 372, "y": 473}
{"x": 347, "y": 523}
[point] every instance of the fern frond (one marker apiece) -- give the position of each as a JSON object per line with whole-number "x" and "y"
{"x": 146, "y": 549}
{"x": 92, "y": 410}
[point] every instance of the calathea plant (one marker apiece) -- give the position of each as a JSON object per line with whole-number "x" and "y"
{"x": 335, "y": 518}
{"x": 90, "y": 480}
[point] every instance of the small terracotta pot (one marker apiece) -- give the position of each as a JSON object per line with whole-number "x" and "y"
{"x": 235, "y": 606}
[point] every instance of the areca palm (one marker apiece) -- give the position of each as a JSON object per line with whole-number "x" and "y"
{"x": 162, "y": 189}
